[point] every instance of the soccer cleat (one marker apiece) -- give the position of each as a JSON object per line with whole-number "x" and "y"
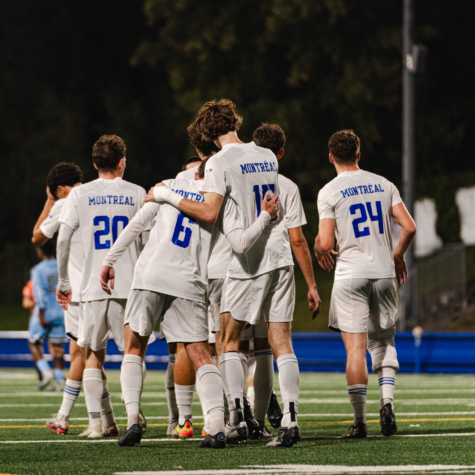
{"x": 172, "y": 423}
{"x": 86, "y": 432}
{"x": 274, "y": 411}
{"x": 47, "y": 378}
{"x": 358, "y": 431}
{"x": 183, "y": 432}
{"x": 142, "y": 421}
{"x": 217, "y": 441}
{"x": 111, "y": 431}
{"x": 287, "y": 437}
{"x": 252, "y": 425}
{"x": 58, "y": 423}
{"x": 387, "y": 420}
{"x": 58, "y": 387}
{"x": 236, "y": 434}
{"x": 96, "y": 432}
{"x": 266, "y": 434}
{"x": 131, "y": 436}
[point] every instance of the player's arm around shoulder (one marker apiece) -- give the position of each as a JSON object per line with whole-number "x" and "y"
{"x": 325, "y": 240}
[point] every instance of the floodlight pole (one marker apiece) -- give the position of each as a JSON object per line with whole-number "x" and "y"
{"x": 409, "y": 149}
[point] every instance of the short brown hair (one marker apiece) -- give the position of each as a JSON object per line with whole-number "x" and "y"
{"x": 201, "y": 169}
{"x": 206, "y": 147}
{"x": 344, "y": 146}
{"x": 217, "y": 118}
{"x": 269, "y": 136}
{"x": 108, "y": 151}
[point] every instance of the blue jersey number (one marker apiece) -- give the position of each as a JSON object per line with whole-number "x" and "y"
{"x": 181, "y": 228}
{"x": 364, "y": 217}
{"x": 257, "y": 194}
{"x": 99, "y": 220}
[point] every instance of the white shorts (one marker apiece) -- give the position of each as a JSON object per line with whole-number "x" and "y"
{"x": 97, "y": 318}
{"x": 259, "y": 330}
{"x": 71, "y": 320}
{"x": 215, "y": 291}
{"x": 271, "y": 295}
{"x": 365, "y": 306}
{"x": 183, "y": 321}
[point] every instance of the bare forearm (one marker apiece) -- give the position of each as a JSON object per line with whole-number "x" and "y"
{"x": 318, "y": 246}
{"x": 200, "y": 211}
{"x": 44, "y": 214}
{"x": 62, "y": 255}
{"x": 405, "y": 240}
{"x": 304, "y": 259}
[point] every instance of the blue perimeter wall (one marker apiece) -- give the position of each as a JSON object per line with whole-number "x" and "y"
{"x": 438, "y": 353}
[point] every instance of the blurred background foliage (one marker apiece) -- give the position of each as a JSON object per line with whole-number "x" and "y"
{"x": 71, "y": 71}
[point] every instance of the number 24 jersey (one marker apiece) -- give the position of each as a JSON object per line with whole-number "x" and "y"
{"x": 102, "y": 209}
{"x": 361, "y": 204}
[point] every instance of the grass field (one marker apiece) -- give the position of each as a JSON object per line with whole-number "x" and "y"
{"x": 436, "y": 419}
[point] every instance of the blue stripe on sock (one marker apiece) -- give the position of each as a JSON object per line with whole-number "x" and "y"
{"x": 70, "y": 392}
{"x": 106, "y": 394}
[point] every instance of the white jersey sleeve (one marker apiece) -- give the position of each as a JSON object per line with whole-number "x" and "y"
{"x": 325, "y": 204}
{"x": 292, "y": 203}
{"x": 50, "y": 226}
{"x": 187, "y": 174}
{"x": 215, "y": 181}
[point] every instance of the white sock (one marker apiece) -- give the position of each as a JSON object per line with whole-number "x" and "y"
{"x": 233, "y": 381}
{"x": 92, "y": 379}
{"x": 289, "y": 379}
{"x": 107, "y": 413}
{"x": 387, "y": 378}
{"x": 357, "y": 394}
{"x": 70, "y": 395}
{"x": 170, "y": 388}
{"x": 245, "y": 368}
{"x": 131, "y": 380}
{"x": 212, "y": 390}
{"x": 251, "y": 398}
{"x": 199, "y": 390}
{"x": 214, "y": 358}
{"x": 184, "y": 400}
{"x": 263, "y": 382}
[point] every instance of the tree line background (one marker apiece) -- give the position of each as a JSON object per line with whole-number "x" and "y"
{"x": 72, "y": 71}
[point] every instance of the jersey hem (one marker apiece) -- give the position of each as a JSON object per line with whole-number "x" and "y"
{"x": 264, "y": 271}
{"x": 372, "y": 277}
{"x": 168, "y": 292}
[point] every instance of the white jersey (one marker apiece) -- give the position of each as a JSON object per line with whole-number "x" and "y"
{"x": 289, "y": 198}
{"x": 188, "y": 174}
{"x": 49, "y": 227}
{"x": 243, "y": 173}
{"x": 174, "y": 261}
{"x": 102, "y": 209}
{"x": 361, "y": 204}
{"x": 220, "y": 257}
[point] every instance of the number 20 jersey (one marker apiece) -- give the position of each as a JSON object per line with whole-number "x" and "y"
{"x": 361, "y": 204}
{"x": 243, "y": 173}
{"x": 102, "y": 209}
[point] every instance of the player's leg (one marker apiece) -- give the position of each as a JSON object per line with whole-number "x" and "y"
{"x": 56, "y": 350}
{"x": 211, "y": 392}
{"x": 170, "y": 388}
{"x": 250, "y": 379}
{"x": 185, "y": 378}
{"x": 35, "y": 344}
{"x": 381, "y": 345}
{"x": 278, "y": 309}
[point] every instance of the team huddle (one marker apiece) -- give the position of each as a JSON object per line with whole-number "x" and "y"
{"x": 209, "y": 256}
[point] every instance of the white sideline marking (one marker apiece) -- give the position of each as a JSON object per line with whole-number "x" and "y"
{"x": 17, "y": 376}
{"x": 83, "y": 405}
{"x": 370, "y": 414}
{"x": 59, "y": 441}
{"x": 325, "y": 469}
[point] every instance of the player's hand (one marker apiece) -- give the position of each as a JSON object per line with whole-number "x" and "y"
{"x": 325, "y": 261}
{"x": 314, "y": 302}
{"x": 64, "y": 298}
{"x": 43, "y": 322}
{"x": 271, "y": 205}
{"x": 150, "y": 198}
{"x": 49, "y": 195}
{"x": 107, "y": 276}
{"x": 401, "y": 269}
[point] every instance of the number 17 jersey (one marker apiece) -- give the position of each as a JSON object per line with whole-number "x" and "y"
{"x": 102, "y": 209}
{"x": 361, "y": 204}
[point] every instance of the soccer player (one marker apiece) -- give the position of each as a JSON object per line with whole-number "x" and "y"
{"x": 191, "y": 162}
{"x": 47, "y": 322}
{"x": 177, "y": 295}
{"x": 260, "y": 279}
{"x": 101, "y": 209}
{"x": 62, "y": 178}
{"x": 272, "y": 136}
{"x": 357, "y": 206}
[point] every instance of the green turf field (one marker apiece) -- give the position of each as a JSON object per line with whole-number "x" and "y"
{"x": 436, "y": 419}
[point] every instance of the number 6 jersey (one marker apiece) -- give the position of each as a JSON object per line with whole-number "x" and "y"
{"x": 361, "y": 204}
{"x": 102, "y": 209}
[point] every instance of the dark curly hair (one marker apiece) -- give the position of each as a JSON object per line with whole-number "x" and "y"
{"x": 63, "y": 174}
{"x": 217, "y": 118}
{"x": 108, "y": 151}
{"x": 269, "y": 136}
{"x": 201, "y": 169}
{"x": 194, "y": 159}
{"x": 344, "y": 146}
{"x": 205, "y": 147}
